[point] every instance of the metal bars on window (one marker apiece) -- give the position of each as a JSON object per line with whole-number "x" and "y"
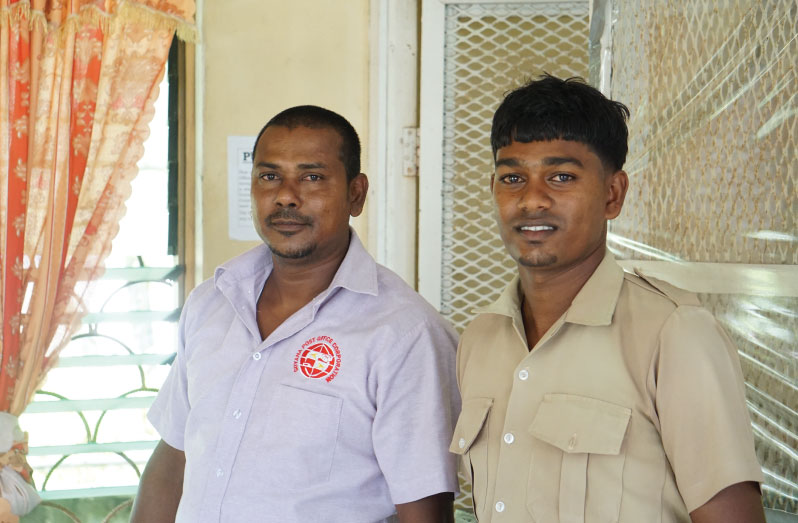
{"x": 95, "y": 400}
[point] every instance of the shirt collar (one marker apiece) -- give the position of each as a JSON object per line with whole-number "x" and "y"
{"x": 357, "y": 272}
{"x": 509, "y": 301}
{"x": 593, "y": 305}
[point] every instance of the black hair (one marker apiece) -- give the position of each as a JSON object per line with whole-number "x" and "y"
{"x": 550, "y": 108}
{"x": 316, "y": 117}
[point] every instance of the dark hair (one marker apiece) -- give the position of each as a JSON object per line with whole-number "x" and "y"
{"x": 316, "y": 117}
{"x": 553, "y": 109}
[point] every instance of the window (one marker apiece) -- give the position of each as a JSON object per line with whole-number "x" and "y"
{"x": 88, "y": 434}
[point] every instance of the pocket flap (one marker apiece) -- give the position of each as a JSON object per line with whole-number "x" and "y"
{"x": 472, "y": 417}
{"x": 580, "y": 424}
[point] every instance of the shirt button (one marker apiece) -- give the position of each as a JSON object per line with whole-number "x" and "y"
{"x": 219, "y": 473}
{"x": 523, "y": 375}
{"x": 509, "y": 438}
{"x": 461, "y": 443}
{"x": 236, "y": 414}
{"x": 572, "y": 442}
{"x": 499, "y": 506}
{"x": 256, "y": 356}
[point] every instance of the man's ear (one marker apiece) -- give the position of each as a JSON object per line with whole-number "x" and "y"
{"x": 492, "y": 178}
{"x": 358, "y": 189}
{"x": 616, "y": 184}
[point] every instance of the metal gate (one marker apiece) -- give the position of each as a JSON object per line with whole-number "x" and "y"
{"x": 472, "y": 53}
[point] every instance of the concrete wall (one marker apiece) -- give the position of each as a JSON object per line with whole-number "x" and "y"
{"x": 255, "y": 59}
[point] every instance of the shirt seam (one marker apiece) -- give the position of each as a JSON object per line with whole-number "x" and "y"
{"x": 402, "y": 340}
{"x": 655, "y": 355}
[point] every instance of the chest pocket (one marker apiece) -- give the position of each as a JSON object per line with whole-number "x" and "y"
{"x": 299, "y": 441}
{"x": 471, "y": 442}
{"x": 580, "y": 441}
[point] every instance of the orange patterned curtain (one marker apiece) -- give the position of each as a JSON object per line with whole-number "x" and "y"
{"x": 78, "y": 79}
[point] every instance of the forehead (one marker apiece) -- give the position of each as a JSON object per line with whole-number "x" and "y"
{"x": 300, "y": 143}
{"x": 538, "y": 152}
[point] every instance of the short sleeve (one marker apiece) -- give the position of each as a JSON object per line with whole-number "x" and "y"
{"x": 700, "y": 399}
{"x": 417, "y": 405}
{"x": 169, "y": 412}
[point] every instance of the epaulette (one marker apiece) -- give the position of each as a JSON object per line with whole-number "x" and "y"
{"x": 673, "y": 293}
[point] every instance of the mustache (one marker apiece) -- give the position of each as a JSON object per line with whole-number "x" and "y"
{"x": 537, "y": 217}
{"x": 289, "y": 215}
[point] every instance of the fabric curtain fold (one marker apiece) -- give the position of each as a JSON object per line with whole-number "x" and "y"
{"x": 78, "y": 81}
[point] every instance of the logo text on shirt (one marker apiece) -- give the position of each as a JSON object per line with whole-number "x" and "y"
{"x": 318, "y": 358}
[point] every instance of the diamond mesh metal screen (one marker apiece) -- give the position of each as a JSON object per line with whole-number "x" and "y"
{"x": 714, "y": 176}
{"x": 489, "y": 49}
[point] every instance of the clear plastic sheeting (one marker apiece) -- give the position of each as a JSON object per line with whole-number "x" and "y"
{"x": 714, "y": 182}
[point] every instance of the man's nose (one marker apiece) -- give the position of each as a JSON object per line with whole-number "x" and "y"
{"x": 536, "y": 196}
{"x": 287, "y": 195}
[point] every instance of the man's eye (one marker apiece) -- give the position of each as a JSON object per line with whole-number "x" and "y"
{"x": 267, "y": 176}
{"x": 313, "y": 177}
{"x": 563, "y": 177}
{"x": 511, "y": 178}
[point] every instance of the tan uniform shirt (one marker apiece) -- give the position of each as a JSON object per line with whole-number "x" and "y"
{"x": 630, "y": 408}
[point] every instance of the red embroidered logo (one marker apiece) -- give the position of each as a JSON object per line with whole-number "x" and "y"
{"x": 318, "y": 358}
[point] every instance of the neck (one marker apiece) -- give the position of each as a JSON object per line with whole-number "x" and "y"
{"x": 298, "y": 281}
{"x": 292, "y": 284}
{"x": 547, "y": 294}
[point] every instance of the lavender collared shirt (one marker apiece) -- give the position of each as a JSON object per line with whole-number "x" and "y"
{"x": 345, "y": 410}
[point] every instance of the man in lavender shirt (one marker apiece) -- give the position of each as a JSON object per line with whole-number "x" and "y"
{"x": 310, "y": 383}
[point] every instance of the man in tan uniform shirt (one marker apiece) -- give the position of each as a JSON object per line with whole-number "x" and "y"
{"x": 589, "y": 394}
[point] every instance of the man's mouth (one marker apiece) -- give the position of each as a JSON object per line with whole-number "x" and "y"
{"x": 287, "y": 227}
{"x": 287, "y": 223}
{"x": 537, "y": 232}
{"x": 280, "y": 223}
{"x": 287, "y": 218}
{"x": 537, "y": 228}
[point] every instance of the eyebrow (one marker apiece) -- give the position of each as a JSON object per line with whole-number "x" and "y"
{"x": 559, "y": 160}
{"x": 508, "y": 162}
{"x": 547, "y": 161}
{"x": 316, "y": 165}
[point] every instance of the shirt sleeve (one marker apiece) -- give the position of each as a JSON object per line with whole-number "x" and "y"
{"x": 700, "y": 399}
{"x": 169, "y": 412}
{"x": 417, "y": 405}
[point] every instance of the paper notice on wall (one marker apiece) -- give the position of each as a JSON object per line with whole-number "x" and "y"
{"x": 239, "y": 170}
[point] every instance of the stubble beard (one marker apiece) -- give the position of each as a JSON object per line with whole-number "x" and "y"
{"x": 295, "y": 254}
{"x": 538, "y": 260}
